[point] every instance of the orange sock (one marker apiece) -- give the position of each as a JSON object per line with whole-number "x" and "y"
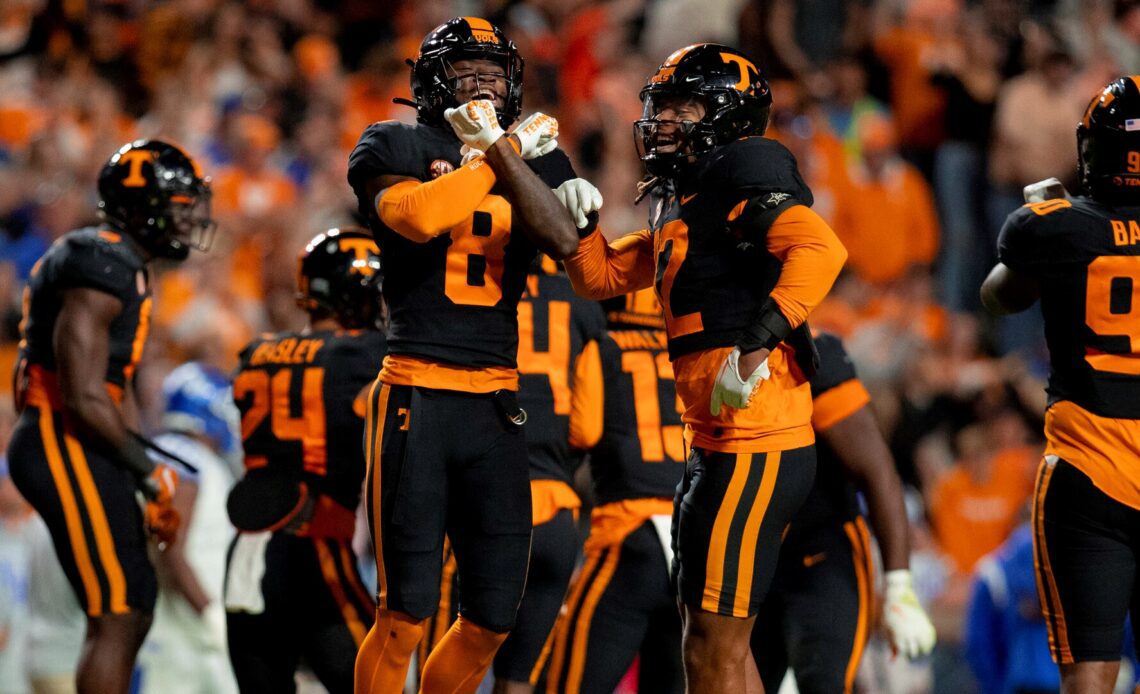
{"x": 382, "y": 662}
{"x": 459, "y": 662}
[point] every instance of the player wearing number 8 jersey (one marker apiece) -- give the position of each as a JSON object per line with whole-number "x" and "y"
{"x": 292, "y": 588}
{"x": 1081, "y": 257}
{"x": 738, "y": 260}
{"x": 444, "y": 441}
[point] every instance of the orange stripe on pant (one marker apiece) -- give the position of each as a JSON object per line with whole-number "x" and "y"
{"x": 71, "y": 515}
{"x": 376, "y": 416}
{"x": 353, "y": 580}
{"x": 1058, "y": 633}
{"x": 742, "y": 599}
{"x": 562, "y": 627}
{"x": 718, "y": 543}
{"x": 332, "y": 580}
{"x": 861, "y": 555}
{"x": 104, "y": 542}
{"x": 582, "y": 626}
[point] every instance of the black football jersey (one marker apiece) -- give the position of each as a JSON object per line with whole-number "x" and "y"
{"x": 642, "y": 451}
{"x": 453, "y": 298}
{"x": 713, "y": 269}
{"x": 555, "y": 324}
{"x": 1085, "y": 257}
{"x": 302, "y": 406}
{"x": 95, "y": 259}
{"x": 832, "y": 497}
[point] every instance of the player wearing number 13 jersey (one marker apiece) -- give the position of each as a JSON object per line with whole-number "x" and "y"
{"x": 459, "y": 210}
{"x": 1081, "y": 257}
{"x": 738, "y": 260}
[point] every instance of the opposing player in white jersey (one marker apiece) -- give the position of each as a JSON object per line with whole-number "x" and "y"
{"x": 185, "y": 652}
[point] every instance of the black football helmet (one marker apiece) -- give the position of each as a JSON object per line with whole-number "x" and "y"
{"x": 1108, "y": 143}
{"x": 155, "y": 193}
{"x": 463, "y": 38}
{"x": 640, "y": 309}
{"x": 339, "y": 274}
{"x": 734, "y": 93}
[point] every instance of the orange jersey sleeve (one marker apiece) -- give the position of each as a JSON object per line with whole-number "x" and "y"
{"x": 422, "y": 211}
{"x": 812, "y": 257}
{"x": 587, "y": 400}
{"x": 600, "y": 270}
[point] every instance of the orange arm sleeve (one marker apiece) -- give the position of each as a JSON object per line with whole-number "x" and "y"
{"x": 812, "y": 257}
{"x": 422, "y": 211}
{"x": 587, "y": 399}
{"x": 600, "y": 270}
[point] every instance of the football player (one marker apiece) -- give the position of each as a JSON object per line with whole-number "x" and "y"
{"x": 73, "y": 454}
{"x": 445, "y": 444}
{"x": 558, "y": 331}
{"x": 186, "y": 647}
{"x": 1080, "y": 256}
{"x": 818, "y": 614}
{"x": 739, "y": 260}
{"x": 627, "y": 415}
{"x": 292, "y": 587}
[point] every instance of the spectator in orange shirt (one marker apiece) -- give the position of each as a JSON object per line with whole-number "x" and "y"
{"x": 906, "y": 44}
{"x": 885, "y": 212}
{"x": 975, "y": 505}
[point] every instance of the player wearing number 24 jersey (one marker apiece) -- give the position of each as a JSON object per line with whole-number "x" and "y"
{"x": 444, "y": 440}
{"x": 1081, "y": 257}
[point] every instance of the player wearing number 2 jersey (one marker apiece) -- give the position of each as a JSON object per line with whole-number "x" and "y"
{"x": 738, "y": 260}
{"x": 1081, "y": 257}
{"x": 444, "y": 441}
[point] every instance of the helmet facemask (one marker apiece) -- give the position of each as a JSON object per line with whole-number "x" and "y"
{"x": 434, "y": 80}
{"x": 672, "y": 131}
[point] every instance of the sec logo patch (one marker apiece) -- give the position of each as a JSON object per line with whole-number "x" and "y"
{"x": 440, "y": 167}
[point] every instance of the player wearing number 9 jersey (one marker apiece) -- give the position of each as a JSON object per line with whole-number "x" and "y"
{"x": 738, "y": 260}
{"x": 1081, "y": 257}
{"x": 292, "y": 587}
{"x": 444, "y": 442}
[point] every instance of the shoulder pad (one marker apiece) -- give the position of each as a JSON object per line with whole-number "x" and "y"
{"x": 99, "y": 259}
{"x": 835, "y": 366}
{"x": 386, "y": 147}
{"x": 757, "y": 164}
{"x": 363, "y": 344}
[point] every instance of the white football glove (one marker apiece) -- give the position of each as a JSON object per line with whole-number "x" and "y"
{"x": 908, "y": 627}
{"x": 467, "y": 154}
{"x": 732, "y": 390}
{"x": 475, "y": 123}
{"x": 580, "y": 197}
{"x": 537, "y": 135}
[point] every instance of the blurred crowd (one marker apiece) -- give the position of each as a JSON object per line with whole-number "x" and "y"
{"x": 915, "y": 122}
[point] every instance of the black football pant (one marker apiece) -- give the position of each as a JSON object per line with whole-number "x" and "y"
{"x": 448, "y": 463}
{"x": 315, "y": 608}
